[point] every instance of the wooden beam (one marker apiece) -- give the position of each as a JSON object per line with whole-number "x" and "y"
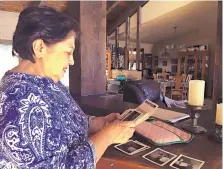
{"x": 108, "y": 55}
{"x": 60, "y": 6}
{"x": 16, "y": 6}
{"x": 87, "y": 75}
{"x": 116, "y": 46}
{"x": 185, "y": 64}
{"x": 203, "y": 68}
{"x": 138, "y": 57}
{"x": 179, "y": 65}
{"x": 195, "y": 66}
{"x": 127, "y": 38}
{"x": 112, "y": 7}
{"x": 127, "y": 13}
{"x": 217, "y": 83}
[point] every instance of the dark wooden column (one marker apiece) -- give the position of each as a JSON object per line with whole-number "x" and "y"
{"x": 217, "y": 80}
{"x": 88, "y": 75}
{"x": 138, "y": 57}
{"x": 116, "y": 47}
{"x": 127, "y": 37}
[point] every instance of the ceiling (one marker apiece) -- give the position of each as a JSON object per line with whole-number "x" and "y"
{"x": 18, "y": 6}
{"x": 114, "y": 7}
{"x": 116, "y": 13}
{"x": 189, "y": 18}
{"x": 195, "y": 15}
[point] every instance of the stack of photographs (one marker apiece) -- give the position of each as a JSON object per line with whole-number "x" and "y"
{"x": 141, "y": 113}
{"x": 159, "y": 156}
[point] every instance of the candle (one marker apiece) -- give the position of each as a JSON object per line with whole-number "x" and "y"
{"x": 196, "y": 92}
{"x": 219, "y": 114}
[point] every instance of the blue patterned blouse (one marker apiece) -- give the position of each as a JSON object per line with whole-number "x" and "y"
{"x": 41, "y": 126}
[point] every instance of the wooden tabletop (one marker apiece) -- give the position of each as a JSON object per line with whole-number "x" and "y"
{"x": 200, "y": 147}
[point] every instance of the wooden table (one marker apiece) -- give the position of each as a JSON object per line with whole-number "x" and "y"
{"x": 200, "y": 147}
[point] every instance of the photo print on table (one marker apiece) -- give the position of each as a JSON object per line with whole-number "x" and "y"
{"x": 131, "y": 147}
{"x": 159, "y": 157}
{"x": 185, "y": 162}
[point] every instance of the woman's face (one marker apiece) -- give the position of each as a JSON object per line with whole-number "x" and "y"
{"x": 57, "y": 58}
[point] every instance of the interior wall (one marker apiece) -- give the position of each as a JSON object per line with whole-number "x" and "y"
{"x": 7, "y": 61}
{"x": 203, "y": 36}
{"x": 8, "y": 21}
{"x": 166, "y": 68}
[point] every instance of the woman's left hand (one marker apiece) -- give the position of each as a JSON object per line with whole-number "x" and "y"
{"x": 97, "y": 123}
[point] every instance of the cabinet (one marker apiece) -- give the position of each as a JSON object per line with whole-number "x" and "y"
{"x": 147, "y": 61}
{"x": 193, "y": 62}
{"x": 117, "y": 57}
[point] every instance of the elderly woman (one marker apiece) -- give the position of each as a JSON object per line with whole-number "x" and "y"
{"x": 41, "y": 126}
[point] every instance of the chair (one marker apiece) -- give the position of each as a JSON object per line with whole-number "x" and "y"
{"x": 140, "y": 90}
{"x": 155, "y": 76}
{"x": 159, "y": 75}
{"x": 186, "y": 85}
{"x": 177, "y": 91}
{"x": 184, "y": 77}
{"x": 164, "y": 75}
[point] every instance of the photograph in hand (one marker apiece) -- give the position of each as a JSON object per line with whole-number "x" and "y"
{"x": 140, "y": 114}
{"x": 132, "y": 116}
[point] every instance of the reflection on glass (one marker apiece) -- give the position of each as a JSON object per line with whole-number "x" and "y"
{"x": 182, "y": 60}
{"x": 190, "y": 65}
{"x": 206, "y": 66}
{"x": 199, "y": 67}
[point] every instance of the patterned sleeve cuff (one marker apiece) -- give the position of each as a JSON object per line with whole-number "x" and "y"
{"x": 93, "y": 152}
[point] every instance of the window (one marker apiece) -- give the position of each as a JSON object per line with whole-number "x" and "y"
{"x": 7, "y": 62}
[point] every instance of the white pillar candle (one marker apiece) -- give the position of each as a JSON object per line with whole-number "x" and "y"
{"x": 196, "y": 92}
{"x": 219, "y": 114}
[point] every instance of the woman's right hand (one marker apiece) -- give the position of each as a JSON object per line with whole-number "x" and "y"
{"x": 119, "y": 132}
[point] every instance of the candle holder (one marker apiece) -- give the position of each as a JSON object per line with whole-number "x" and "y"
{"x": 194, "y": 112}
{"x": 216, "y": 134}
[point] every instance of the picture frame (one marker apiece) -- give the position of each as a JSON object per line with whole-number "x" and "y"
{"x": 164, "y": 63}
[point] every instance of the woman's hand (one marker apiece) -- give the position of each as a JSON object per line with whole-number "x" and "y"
{"x": 112, "y": 117}
{"x": 97, "y": 123}
{"x": 113, "y": 133}
{"x": 119, "y": 132}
